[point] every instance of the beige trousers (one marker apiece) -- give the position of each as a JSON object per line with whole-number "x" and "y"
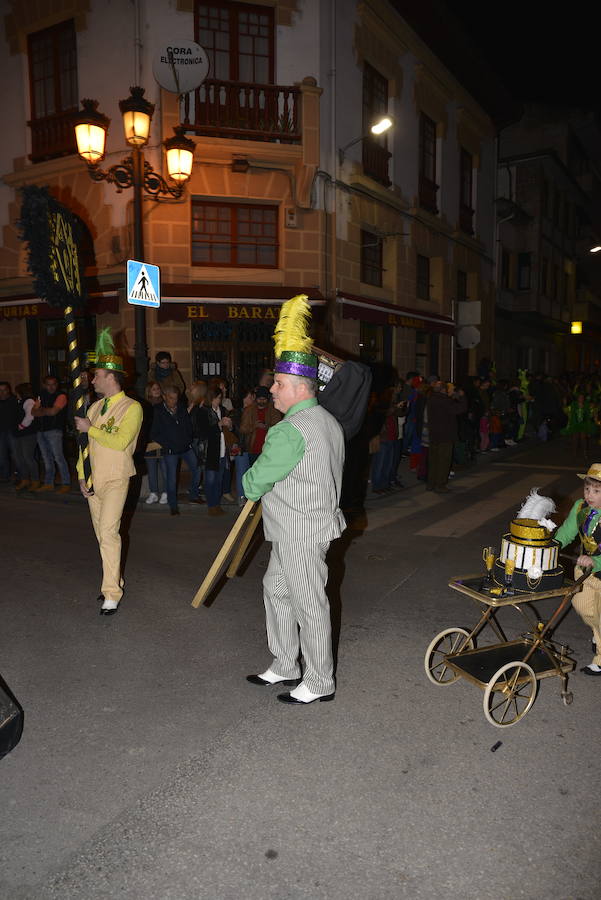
{"x": 106, "y": 508}
{"x": 587, "y": 604}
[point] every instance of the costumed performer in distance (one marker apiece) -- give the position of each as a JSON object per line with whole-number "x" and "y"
{"x": 297, "y": 477}
{"x": 113, "y": 424}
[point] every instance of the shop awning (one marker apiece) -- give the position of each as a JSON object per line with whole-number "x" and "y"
{"x": 224, "y": 302}
{"x": 28, "y": 306}
{"x": 381, "y": 313}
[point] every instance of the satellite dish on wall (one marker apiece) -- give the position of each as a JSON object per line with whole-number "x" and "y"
{"x": 468, "y": 337}
{"x": 180, "y": 65}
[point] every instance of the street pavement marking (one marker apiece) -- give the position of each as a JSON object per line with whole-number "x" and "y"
{"x": 415, "y": 503}
{"x": 472, "y": 517}
{"x": 518, "y": 465}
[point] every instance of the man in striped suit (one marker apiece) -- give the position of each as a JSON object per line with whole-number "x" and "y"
{"x": 298, "y": 478}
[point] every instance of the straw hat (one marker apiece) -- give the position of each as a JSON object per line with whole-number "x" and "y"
{"x": 593, "y": 472}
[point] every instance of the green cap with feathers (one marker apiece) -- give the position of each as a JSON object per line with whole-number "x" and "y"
{"x": 105, "y": 353}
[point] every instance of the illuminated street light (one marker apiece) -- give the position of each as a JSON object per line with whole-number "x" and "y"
{"x": 91, "y": 128}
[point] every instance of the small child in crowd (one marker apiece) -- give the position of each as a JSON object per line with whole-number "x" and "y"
{"x": 584, "y": 522}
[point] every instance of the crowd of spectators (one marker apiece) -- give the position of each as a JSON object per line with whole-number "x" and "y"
{"x": 434, "y": 425}
{"x": 199, "y": 427}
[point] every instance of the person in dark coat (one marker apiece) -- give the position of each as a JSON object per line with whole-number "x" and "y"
{"x": 172, "y": 429}
{"x": 444, "y": 404}
{"x": 211, "y": 424}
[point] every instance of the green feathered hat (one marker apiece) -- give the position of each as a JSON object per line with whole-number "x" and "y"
{"x": 292, "y": 343}
{"x": 106, "y": 357}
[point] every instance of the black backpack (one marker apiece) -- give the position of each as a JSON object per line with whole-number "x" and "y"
{"x": 346, "y": 394}
{"x": 11, "y": 720}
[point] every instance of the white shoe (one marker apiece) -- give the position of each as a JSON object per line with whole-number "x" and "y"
{"x": 163, "y": 499}
{"x": 302, "y": 694}
{"x": 152, "y": 498}
{"x": 229, "y": 497}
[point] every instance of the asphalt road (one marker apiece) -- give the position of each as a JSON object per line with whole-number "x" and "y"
{"x": 149, "y": 768}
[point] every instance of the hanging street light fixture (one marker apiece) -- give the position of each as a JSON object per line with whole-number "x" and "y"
{"x": 91, "y": 128}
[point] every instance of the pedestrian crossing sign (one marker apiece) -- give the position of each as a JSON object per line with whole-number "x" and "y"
{"x": 143, "y": 284}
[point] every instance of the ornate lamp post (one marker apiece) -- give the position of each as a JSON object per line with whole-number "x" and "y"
{"x": 91, "y": 128}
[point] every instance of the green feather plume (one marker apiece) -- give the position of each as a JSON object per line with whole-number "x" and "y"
{"x": 104, "y": 343}
{"x": 291, "y": 331}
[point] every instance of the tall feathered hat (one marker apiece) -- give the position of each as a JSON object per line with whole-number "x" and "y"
{"x": 106, "y": 357}
{"x": 292, "y": 343}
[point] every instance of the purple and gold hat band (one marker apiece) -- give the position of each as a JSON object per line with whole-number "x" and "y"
{"x": 293, "y": 368}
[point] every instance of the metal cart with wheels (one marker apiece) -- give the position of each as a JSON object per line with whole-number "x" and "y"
{"x": 508, "y": 671}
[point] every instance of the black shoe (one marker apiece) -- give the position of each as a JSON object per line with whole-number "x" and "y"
{"x": 588, "y": 671}
{"x": 256, "y": 679}
{"x": 108, "y": 612}
{"x": 174, "y": 512}
{"x": 288, "y": 698}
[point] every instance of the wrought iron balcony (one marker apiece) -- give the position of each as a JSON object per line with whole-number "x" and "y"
{"x": 375, "y": 161}
{"x": 466, "y": 219}
{"x": 427, "y": 194}
{"x": 52, "y": 136}
{"x": 243, "y": 111}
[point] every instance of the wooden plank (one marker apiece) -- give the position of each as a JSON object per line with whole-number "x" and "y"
{"x": 212, "y": 575}
{"x": 244, "y": 542}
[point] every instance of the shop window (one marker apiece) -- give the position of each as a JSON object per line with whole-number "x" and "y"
{"x": 427, "y": 164}
{"x": 52, "y": 55}
{"x": 371, "y": 342}
{"x": 466, "y": 187}
{"x": 375, "y": 105}
{"x": 239, "y": 41}
{"x": 371, "y": 258}
{"x": 423, "y": 278}
{"x": 230, "y": 234}
{"x": 524, "y": 271}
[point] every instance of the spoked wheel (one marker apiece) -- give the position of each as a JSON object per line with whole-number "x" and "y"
{"x": 509, "y": 694}
{"x": 451, "y": 640}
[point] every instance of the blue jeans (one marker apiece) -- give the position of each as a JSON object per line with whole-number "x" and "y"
{"x": 51, "y": 448}
{"x": 242, "y": 465}
{"x": 381, "y": 467}
{"x": 214, "y": 482}
{"x": 153, "y": 464}
{"x": 171, "y": 461}
{"x": 7, "y": 455}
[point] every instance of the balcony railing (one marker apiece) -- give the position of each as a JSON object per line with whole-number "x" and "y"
{"x": 427, "y": 194}
{"x": 52, "y": 136}
{"x": 375, "y": 161}
{"x": 466, "y": 219}
{"x": 236, "y": 109}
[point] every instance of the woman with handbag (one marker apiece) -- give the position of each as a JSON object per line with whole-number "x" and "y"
{"x": 215, "y": 427}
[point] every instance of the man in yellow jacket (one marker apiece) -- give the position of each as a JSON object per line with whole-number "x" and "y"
{"x": 113, "y": 424}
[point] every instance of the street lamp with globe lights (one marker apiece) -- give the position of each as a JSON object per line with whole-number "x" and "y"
{"x": 91, "y": 128}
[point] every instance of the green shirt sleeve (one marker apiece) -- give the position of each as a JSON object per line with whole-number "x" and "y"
{"x": 566, "y": 533}
{"x": 283, "y": 449}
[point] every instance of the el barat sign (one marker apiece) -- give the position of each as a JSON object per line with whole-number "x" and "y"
{"x": 180, "y": 65}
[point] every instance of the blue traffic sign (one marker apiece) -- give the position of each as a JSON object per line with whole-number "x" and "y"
{"x": 143, "y": 284}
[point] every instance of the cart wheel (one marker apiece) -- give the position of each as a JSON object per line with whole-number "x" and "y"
{"x": 509, "y": 694}
{"x": 567, "y": 698}
{"x": 451, "y": 640}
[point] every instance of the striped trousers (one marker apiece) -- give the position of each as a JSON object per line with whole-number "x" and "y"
{"x": 298, "y": 614}
{"x": 587, "y": 604}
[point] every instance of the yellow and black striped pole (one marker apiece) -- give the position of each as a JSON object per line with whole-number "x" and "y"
{"x": 75, "y": 367}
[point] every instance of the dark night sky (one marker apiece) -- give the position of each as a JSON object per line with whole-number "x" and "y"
{"x": 540, "y": 51}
